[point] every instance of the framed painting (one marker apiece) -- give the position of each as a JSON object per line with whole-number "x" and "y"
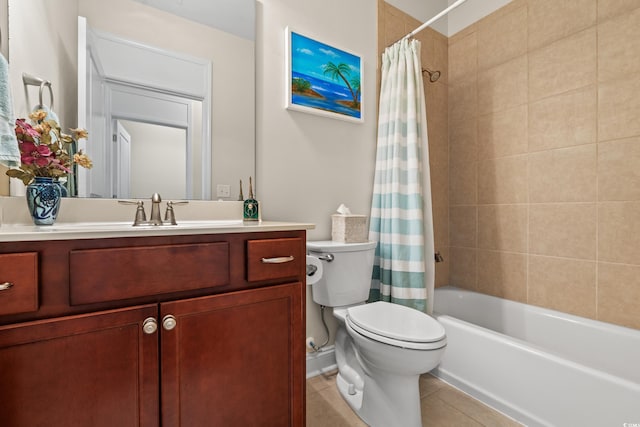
{"x": 322, "y": 79}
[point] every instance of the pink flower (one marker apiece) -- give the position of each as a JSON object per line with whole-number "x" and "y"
{"x": 56, "y": 163}
{"x": 32, "y": 153}
{"x": 23, "y": 127}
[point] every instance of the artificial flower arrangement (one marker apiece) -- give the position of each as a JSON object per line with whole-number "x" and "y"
{"x": 44, "y": 149}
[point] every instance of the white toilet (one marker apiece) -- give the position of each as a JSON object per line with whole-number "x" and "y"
{"x": 381, "y": 348}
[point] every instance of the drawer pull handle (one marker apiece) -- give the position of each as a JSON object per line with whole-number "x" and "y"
{"x": 6, "y": 285}
{"x": 278, "y": 260}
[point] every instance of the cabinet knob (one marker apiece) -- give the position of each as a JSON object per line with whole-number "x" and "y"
{"x": 6, "y": 285}
{"x": 168, "y": 322}
{"x": 149, "y": 326}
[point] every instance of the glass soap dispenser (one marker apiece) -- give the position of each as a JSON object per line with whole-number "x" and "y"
{"x": 251, "y": 208}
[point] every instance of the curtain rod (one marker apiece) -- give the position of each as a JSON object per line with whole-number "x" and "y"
{"x": 432, "y": 20}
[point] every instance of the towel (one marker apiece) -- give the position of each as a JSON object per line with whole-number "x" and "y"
{"x": 51, "y": 115}
{"x": 9, "y": 151}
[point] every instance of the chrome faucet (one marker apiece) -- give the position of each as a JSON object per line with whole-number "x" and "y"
{"x": 155, "y": 210}
{"x": 141, "y": 217}
{"x": 169, "y": 215}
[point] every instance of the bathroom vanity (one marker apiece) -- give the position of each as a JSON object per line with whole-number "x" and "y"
{"x": 164, "y": 327}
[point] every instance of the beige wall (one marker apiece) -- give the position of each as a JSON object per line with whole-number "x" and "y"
{"x": 306, "y": 165}
{"x": 544, "y": 133}
{"x": 393, "y": 24}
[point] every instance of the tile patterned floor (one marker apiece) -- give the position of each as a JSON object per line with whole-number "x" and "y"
{"x": 442, "y": 406}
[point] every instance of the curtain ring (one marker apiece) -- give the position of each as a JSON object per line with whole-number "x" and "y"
{"x": 42, "y": 85}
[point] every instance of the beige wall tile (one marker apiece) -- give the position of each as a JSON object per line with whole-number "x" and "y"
{"x": 440, "y": 59}
{"x": 503, "y": 86}
{"x": 563, "y": 120}
{"x": 610, "y": 8}
{"x": 618, "y": 294}
{"x": 437, "y": 101}
{"x": 619, "y": 108}
{"x": 619, "y": 232}
{"x": 442, "y": 268}
{"x": 440, "y": 212}
{"x": 619, "y": 170}
{"x": 503, "y": 274}
{"x": 567, "y": 64}
{"x": 501, "y": 38}
{"x": 463, "y": 33}
{"x": 503, "y": 133}
{"x": 463, "y": 55}
{"x": 502, "y": 227}
{"x": 463, "y": 165}
{"x": 563, "y": 175}
{"x": 503, "y": 180}
{"x": 394, "y": 26}
{"x": 442, "y": 274}
{"x": 563, "y": 284}
{"x": 619, "y": 46}
{"x": 563, "y": 229}
{"x": 463, "y": 183}
{"x": 463, "y": 100}
{"x": 462, "y": 269}
{"x": 551, "y": 20}
{"x": 463, "y": 226}
{"x": 463, "y": 144}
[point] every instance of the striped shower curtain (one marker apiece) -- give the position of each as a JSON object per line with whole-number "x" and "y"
{"x": 401, "y": 218}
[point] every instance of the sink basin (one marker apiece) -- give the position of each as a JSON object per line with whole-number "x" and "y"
{"x": 123, "y": 226}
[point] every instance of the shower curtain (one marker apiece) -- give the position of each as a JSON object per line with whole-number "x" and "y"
{"x": 401, "y": 217}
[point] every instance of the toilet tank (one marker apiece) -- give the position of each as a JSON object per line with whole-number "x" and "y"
{"x": 347, "y": 279}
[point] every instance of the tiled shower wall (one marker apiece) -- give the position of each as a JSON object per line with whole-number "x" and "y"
{"x": 393, "y": 24}
{"x": 544, "y": 156}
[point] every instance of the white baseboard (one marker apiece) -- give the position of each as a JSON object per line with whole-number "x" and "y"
{"x": 322, "y": 361}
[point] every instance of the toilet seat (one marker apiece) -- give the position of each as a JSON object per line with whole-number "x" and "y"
{"x": 396, "y": 325}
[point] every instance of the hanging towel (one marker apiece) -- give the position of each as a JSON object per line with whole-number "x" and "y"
{"x": 51, "y": 115}
{"x": 9, "y": 151}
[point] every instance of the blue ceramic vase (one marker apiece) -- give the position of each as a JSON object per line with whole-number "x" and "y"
{"x": 43, "y": 198}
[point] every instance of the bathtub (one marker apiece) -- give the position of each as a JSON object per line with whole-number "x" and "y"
{"x": 540, "y": 367}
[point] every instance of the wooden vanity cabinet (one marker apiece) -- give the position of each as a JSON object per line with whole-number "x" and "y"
{"x": 229, "y": 352}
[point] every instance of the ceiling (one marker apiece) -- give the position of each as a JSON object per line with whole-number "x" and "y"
{"x": 232, "y": 16}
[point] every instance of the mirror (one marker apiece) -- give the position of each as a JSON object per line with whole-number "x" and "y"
{"x": 185, "y": 29}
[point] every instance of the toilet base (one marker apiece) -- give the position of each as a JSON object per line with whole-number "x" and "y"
{"x": 379, "y": 397}
{"x": 349, "y": 393}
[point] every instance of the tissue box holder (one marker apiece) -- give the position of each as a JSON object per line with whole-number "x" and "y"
{"x": 349, "y": 228}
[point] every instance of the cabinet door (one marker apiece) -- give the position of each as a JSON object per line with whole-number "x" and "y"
{"x": 97, "y": 369}
{"x": 234, "y": 360}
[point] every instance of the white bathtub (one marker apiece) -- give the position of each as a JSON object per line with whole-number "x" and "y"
{"x": 539, "y": 366}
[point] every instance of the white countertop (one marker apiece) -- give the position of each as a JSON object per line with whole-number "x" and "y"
{"x": 106, "y": 218}
{"x": 65, "y": 231}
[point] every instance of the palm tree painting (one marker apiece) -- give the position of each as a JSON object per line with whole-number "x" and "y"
{"x": 323, "y": 79}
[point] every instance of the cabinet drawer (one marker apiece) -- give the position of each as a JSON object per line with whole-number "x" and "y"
{"x": 274, "y": 258}
{"x": 99, "y": 275}
{"x": 19, "y": 283}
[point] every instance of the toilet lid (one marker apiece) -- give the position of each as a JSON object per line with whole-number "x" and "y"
{"x": 396, "y": 322}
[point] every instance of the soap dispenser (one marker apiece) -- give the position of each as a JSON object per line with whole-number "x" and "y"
{"x": 251, "y": 208}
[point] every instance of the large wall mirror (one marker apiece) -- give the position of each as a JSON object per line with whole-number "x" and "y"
{"x": 166, "y": 89}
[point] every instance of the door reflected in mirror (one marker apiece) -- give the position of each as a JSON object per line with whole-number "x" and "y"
{"x": 136, "y": 175}
{"x": 124, "y": 80}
